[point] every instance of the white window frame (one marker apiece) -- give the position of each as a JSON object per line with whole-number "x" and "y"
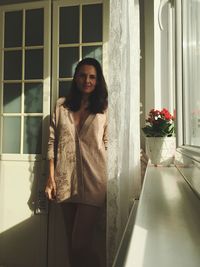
{"x": 46, "y": 74}
{"x": 188, "y": 151}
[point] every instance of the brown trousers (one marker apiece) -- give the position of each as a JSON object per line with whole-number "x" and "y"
{"x": 80, "y": 221}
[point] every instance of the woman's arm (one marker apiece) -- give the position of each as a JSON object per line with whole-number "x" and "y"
{"x": 105, "y": 137}
{"x": 50, "y": 189}
{"x": 105, "y": 134}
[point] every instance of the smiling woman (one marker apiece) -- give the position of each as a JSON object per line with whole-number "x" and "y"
{"x": 86, "y": 79}
{"x": 77, "y": 159}
{"x": 26, "y": 92}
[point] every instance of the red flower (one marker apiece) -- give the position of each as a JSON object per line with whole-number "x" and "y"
{"x": 165, "y": 114}
{"x": 159, "y": 123}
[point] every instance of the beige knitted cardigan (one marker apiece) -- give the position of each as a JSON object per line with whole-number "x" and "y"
{"x": 80, "y": 157}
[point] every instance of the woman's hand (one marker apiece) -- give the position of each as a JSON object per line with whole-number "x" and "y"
{"x": 50, "y": 189}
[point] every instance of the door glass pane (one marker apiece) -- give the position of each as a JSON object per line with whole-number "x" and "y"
{"x": 92, "y": 23}
{"x": 13, "y": 65}
{"x": 32, "y": 135}
{"x": 34, "y": 64}
{"x": 64, "y": 88}
{"x": 93, "y": 51}
{"x": 34, "y": 27}
{"x": 33, "y": 98}
{"x": 13, "y": 29}
{"x": 11, "y": 135}
{"x": 12, "y": 98}
{"x": 69, "y": 25}
{"x": 68, "y": 58}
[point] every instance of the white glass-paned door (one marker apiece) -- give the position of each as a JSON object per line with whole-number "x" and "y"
{"x": 25, "y": 61}
{"x": 25, "y": 40}
{"x": 77, "y": 34}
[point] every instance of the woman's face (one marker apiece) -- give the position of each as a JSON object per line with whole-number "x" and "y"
{"x": 86, "y": 79}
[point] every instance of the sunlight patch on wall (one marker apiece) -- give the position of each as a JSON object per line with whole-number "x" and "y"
{"x": 16, "y": 190}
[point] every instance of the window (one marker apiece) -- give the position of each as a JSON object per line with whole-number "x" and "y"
{"x": 72, "y": 43}
{"x": 191, "y": 71}
{"x": 23, "y": 78}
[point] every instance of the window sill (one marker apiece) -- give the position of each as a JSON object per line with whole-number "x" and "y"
{"x": 190, "y": 152}
{"x": 166, "y": 230}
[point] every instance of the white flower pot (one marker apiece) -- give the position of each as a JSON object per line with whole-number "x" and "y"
{"x": 161, "y": 150}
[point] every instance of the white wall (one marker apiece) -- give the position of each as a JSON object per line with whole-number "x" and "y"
{"x": 159, "y": 71}
{"x": 157, "y": 64}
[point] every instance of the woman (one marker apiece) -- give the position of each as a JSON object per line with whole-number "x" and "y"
{"x": 77, "y": 159}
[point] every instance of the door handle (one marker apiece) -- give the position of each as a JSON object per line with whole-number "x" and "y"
{"x": 162, "y": 4}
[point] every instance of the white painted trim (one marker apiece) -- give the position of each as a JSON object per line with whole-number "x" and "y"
{"x": 24, "y": 81}
{"x": 47, "y": 74}
{"x": 23, "y": 76}
{"x": 171, "y": 53}
{"x": 186, "y": 94}
{"x": 23, "y": 157}
{"x": 80, "y": 31}
{"x": 1, "y": 74}
{"x": 55, "y": 54}
{"x": 157, "y": 58}
{"x": 23, "y": 47}
{"x": 179, "y": 94}
{"x": 106, "y": 13}
{"x": 75, "y": 2}
{"x": 23, "y": 114}
{"x": 79, "y": 44}
{"x": 21, "y": 6}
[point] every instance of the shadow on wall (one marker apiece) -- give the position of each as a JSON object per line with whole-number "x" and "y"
{"x": 38, "y": 173}
{"x": 22, "y": 246}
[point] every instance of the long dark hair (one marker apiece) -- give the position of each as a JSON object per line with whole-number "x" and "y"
{"x": 98, "y": 100}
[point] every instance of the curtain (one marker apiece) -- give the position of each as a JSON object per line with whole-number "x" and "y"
{"x": 124, "y": 112}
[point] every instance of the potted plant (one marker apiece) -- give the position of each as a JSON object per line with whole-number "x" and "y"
{"x": 160, "y": 137}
